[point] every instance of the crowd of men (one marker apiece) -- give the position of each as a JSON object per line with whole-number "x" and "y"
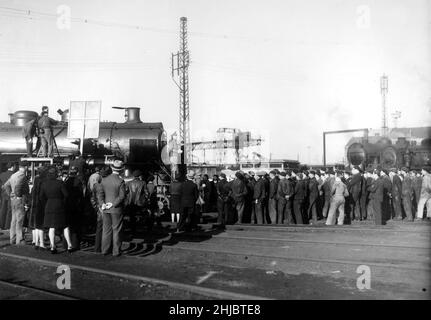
{"x": 71, "y": 201}
{"x": 334, "y": 196}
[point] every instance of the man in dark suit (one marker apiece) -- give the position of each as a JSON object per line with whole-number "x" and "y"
{"x": 299, "y": 195}
{"x": 189, "y": 196}
{"x": 239, "y": 191}
{"x": 355, "y": 188}
{"x": 396, "y": 194}
{"x": 376, "y": 197}
{"x": 284, "y": 200}
{"x": 272, "y": 196}
{"x": 259, "y": 195}
{"x": 223, "y": 192}
{"x": 387, "y": 195}
{"x": 313, "y": 192}
{"x": 112, "y": 196}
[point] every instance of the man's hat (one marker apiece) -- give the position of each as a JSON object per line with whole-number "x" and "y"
{"x": 251, "y": 173}
{"x": 222, "y": 175}
{"x": 283, "y": 173}
{"x": 273, "y": 172}
{"x": 277, "y": 171}
{"x": 117, "y": 165}
{"x": 312, "y": 172}
{"x": 289, "y": 172}
{"x": 330, "y": 171}
{"x": 405, "y": 169}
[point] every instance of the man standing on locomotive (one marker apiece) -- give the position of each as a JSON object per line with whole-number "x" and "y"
{"x": 29, "y": 131}
{"x": 45, "y": 124}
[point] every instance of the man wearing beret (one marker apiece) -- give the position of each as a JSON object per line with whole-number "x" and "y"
{"x": 425, "y": 196}
{"x": 407, "y": 193}
{"x": 396, "y": 194}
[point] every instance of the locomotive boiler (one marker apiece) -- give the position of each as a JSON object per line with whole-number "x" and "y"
{"x": 395, "y": 150}
{"x": 140, "y": 144}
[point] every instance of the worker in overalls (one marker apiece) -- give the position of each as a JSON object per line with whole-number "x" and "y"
{"x": 45, "y": 124}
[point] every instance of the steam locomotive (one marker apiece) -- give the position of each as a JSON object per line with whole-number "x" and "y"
{"x": 413, "y": 153}
{"x": 141, "y": 145}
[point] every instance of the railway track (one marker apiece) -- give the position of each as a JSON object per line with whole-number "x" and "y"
{"x": 41, "y": 293}
{"x": 200, "y": 290}
{"x": 234, "y": 244}
{"x": 424, "y": 227}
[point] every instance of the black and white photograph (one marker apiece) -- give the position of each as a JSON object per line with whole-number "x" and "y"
{"x": 210, "y": 155}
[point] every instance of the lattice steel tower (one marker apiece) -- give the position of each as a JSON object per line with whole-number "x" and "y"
{"x": 180, "y": 65}
{"x": 384, "y": 91}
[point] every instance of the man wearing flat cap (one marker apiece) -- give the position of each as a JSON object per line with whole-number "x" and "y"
{"x": 259, "y": 194}
{"x": 112, "y": 194}
{"x": 425, "y": 196}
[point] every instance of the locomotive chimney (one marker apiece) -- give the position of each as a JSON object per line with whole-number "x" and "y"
{"x": 132, "y": 115}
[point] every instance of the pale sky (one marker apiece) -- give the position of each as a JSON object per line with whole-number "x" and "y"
{"x": 291, "y": 69}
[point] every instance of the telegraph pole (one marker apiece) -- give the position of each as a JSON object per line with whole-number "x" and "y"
{"x": 384, "y": 91}
{"x": 180, "y": 66}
